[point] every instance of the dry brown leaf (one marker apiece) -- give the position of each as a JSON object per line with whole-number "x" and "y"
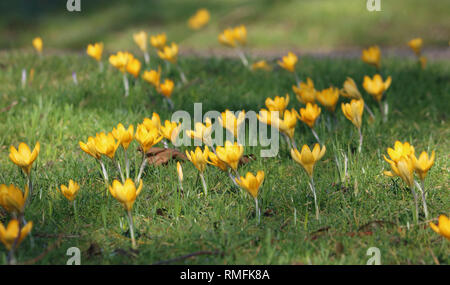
{"x": 158, "y": 156}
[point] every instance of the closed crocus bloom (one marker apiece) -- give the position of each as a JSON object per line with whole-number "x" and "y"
{"x": 230, "y": 153}
{"x": 120, "y": 60}
{"x": 134, "y": 67}
{"x": 179, "y": 171}
{"x": 147, "y": 138}
{"x": 288, "y": 62}
{"x": 166, "y": 88}
{"x": 169, "y": 53}
{"x": 305, "y": 92}
{"x": 199, "y": 19}
{"x": 8, "y": 235}
{"x": 214, "y": 160}
{"x": 153, "y": 123}
{"x": 443, "y": 226}
{"x": 278, "y": 104}
{"x": 95, "y": 51}
{"x": 309, "y": 114}
{"x": 269, "y": 117}
{"x": 287, "y": 124}
{"x": 153, "y": 77}
{"x": 372, "y": 56}
{"x": 227, "y": 38}
{"x": 350, "y": 90}
{"x": 199, "y": 158}
{"x": 400, "y": 149}
{"x": 240, "y": 34}
{"x": 328, "y": 98}
{"x": 89, "y": 148}
{"x": 201, "y": 132}
{"x": 70, "y": 191}
{"x": 307, "y": 158}
{"x": 376, "y": 87}
{"x": 353, "y": 111}
{"x": 251, "y": 183}
{"x": 12, "y": 199}
{"x": 170, "y": 130}
{"x": 23, "y": 156}
{"x": 125, "y": 193}
{"x": 423, "y": 164}
{"x": 38, "y": 44}
{"x": 423, "y": 62}
{"x": 261, "y": 65}
{"x": 404, "y": 169}
{"x": 158, "y": 41}
{"x": 105, "y": 144}
{"x": 230, "y": 122}
{"x": 416, "y": 45}
{"x": 124, "y": 136}
{"x": 141, "y": 40}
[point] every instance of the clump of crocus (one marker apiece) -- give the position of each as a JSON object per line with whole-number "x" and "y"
{"x": 124, "y": 137}
{"x": 95, "y": 51}
{"x": 416, "y": 45}
{"x": 24, "y": 158}
{"x": 421, "y": 166}
{"x": 89, "y": 148}
{"x": 278, "y": 104}
{"x": 199, "y": 19}
{"x": 230, "y": 122}
{"x": 126, "y": 194}
{"x": 309, "y": 116}
{"x": 13, "y": 200}
{"x": 353, "y": 112}
{"x": 372, "y": 56}
{"x": 170, "y": 54}
{"x": 170, "y": 131}
{"x": 202, "y": 132}
{"x": 288, "y": 62}
{"x": 252, "y": 183}
{"x": 305, "y": 92}
{"x": 443, "y": 226}
{"x": 235, "y": 38}
{"x": 153, "y": 77}
{"x": 120, "y": 61}
{"x": 308, "y": 159}
{"x": 228, "y": 157}
{"x": 134, "y": 67}
{"x": 70, "y": 192}
{"x": 158, "y": 41}
{"x": 328, "y": 98}
{"x": 350, "y": 90}
{"x": 166, "y": 89}
{"x": 200, "y": 158}
{"x": 180, "y": 175}
{"x": 376, "y": 87}
{"x": 147, "y": 135}
{"x": 261, "y": 65}
{"x": 141, "y": 40}
{"x": 285, "y": 124}
{"x": 13, "y": 235}
{"x": 38, "y": 45}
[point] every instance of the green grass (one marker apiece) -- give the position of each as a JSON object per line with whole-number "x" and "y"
{"x": 302, "y": 24}
{"x": 58, "y": 114}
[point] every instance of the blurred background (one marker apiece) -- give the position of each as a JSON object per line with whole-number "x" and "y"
{"x": 307, "y": 25}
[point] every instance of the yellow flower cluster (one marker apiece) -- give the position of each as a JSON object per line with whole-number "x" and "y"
{"x": 199, "y": 19}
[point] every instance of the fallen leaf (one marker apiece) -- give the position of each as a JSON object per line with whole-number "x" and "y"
{"x": 247, "y": 158}
{"x": 158, "y": 156}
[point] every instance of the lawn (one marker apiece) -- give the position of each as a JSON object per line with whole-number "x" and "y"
{"x": 367, "y": 210}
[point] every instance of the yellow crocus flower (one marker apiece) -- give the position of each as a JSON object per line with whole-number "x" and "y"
{"x": 240, "y": 34}
{"x": 23, "y": 156}
{"x": 179, "y": 172}
{"x": 214, "y": 160}
{"x": 125, "y": 193}
{"x": 124, "y": 136}
{"x": 268, "y": 117}
{"x": 251, "y": 183}
{"x": 166, "y": 88}
{"x": 89, "y": 148}
{"x": 423, "y": 62}
{"x": 230, "y": 122}
{"x": 153, "y": 123}
{"x": 376, "y": 87}
{"x": 134, "y": 66}
{"x": 12, "y": 199}
{"x": 277, "y": 104}
{"x": 288, "y": 62}
{"x": 403, "y": 168}
{"x": 199, "y": 158}
{"x": 350, "y": 90}
{"x": 201, "y": 132}
{"x": 261, "y": 65}
{"x": 95, "y": 51}
{"x": 288, "y": 123}
{"x": 170, "y": 130}
{"x": 147, "y": 138}
{"x": 158, "y": 41}
{"x": 8, "y": 235}
{"x": 372, "y": 56}
{"x": 230, "y": 154}
{"x": 227, "y": 38}
{"x": 141, "y": 40}
{"x": 153, "y": 77}
{"x": 443, "y": 226}
{"x": 105, "y": 144}
{"x": 305, "y": 92}
{"x": 120, "y": 60}
{"x": 70, "y": 191}
{"x": 309, "y": 114}
{"x": 423, "y": 164}
{"x": 307, "y": 158}
{"x": 400, "y": 149}
{"x": 328, "y": 98}
{"x": 199, "y": 19}
{"x": 38, "y": 44}
{"x": 416, "y": 45}
{"x": 169, "y": 53}
{"x": 353, "y": 111}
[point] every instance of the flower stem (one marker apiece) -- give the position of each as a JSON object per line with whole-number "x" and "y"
{"x": 360, "y": 140}
{"x": 258, "y": 213}
{"x": 242, "y": 57}
{"x": 127, "y": 164}
{"x": 315, "y": 136}
{"x": 146, "y": 58}
{"x": 100, "y": 66}
{"x": 120, "y": 170}
{"x": 182, "y": 75}
{"x": 141, "y": 169}
{"x": 369, "y": 111}
{"x": 415, "y": 202}
{"x": 424, "y": 201}
{"x": 130, "y": 223}
{"x": 30, "y": 187}
{"x": 297, "y": 79}
{"x": 205, "y": 188}
{"x": 233, "y": 179}
{"x": 75, "y": 213}
{"x": 313, "y": 189}
{"x": 126, "y": 85}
